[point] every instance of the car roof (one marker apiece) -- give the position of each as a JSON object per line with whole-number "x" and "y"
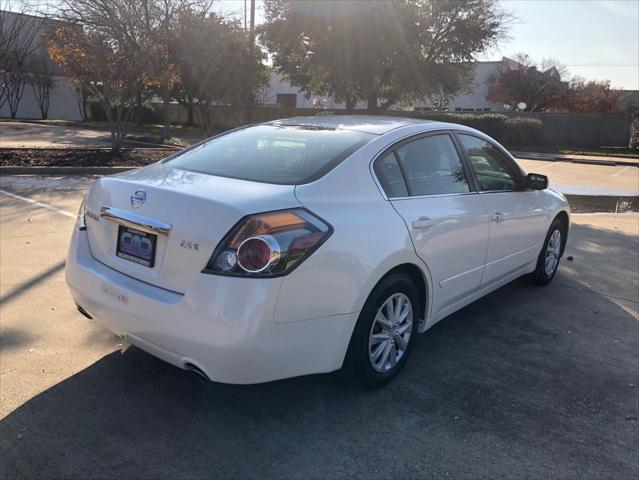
{"x": 375, "y": 124}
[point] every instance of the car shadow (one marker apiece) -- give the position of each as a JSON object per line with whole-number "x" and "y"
{"x": 526, "y": 382}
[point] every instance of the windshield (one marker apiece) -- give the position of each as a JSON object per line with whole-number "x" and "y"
{"x": 289, "y": 155}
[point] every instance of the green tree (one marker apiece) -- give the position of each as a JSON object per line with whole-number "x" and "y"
{"x": 388, "y": 50}
{"x": 210, "y": 54}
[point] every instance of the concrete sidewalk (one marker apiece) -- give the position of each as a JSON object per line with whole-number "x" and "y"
{"x": 36, "y": 135}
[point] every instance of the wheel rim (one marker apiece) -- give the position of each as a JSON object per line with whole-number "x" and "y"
{"x": 390, "y": 332}
{"x": 552, "y": 253}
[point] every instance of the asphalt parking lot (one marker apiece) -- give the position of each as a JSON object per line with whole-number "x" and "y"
{"x": 528, "y": 382}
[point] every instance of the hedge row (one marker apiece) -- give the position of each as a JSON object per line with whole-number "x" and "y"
{"x": 512, "y": 131}
{"x": 634, "y": 133}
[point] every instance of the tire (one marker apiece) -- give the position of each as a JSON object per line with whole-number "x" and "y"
{"x": 365, "y": 364}
{"x": 548, "y": 261}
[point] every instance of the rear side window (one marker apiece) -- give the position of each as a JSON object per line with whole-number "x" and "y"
{"x": 494, "y": 171}
{"x": 287, "y": 155}
{"x": 432, "y": 166}
{"x": 390, "y": 176}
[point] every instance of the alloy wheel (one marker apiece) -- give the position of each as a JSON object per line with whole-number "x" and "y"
{"x": 552, "y": 253}
{"x": 390, "y": 332}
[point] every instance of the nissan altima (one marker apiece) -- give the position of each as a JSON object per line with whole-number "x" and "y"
{"x": 310, "y": 245}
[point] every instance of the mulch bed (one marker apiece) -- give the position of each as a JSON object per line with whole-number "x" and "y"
{"x": 80, "y": 157}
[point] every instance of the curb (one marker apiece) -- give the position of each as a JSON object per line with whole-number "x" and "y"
{"x": 63, "y": 170}
{"x": 587, "y": 161}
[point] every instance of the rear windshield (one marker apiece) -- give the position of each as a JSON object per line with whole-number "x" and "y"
{"x": 288, "y": 155}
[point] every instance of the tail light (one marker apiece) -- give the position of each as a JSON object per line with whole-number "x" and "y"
{"x": 268, "y": 244}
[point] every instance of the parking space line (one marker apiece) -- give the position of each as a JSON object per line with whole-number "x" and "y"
{"x": 39, "y": 204}
{"x": 545, "y": 167}
{"x": 620, "y": 171}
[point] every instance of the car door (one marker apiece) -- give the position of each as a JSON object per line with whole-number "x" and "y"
{"x": 428, "y": 184}
{"x": 516, "y": 218}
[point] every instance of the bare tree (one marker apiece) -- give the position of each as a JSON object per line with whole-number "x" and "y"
{"x": 82, "y": 95}
{"x": 19, "y": 38}
{"x": 100, "y": 47}
{"x": 42, "y": 80}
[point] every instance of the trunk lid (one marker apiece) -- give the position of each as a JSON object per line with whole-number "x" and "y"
{"x": 200, "y": 209}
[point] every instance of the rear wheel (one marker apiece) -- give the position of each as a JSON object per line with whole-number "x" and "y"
{"x": 384, "y": 333}
{"x": 548, "y": 261}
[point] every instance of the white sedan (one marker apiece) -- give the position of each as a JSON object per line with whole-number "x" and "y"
{"x": 310, "y": 245}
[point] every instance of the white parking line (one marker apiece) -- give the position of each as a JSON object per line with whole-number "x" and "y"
{"x": 621, "y": 171}
{"x": 39, "y": 204}
{"x": 545, "y": 167}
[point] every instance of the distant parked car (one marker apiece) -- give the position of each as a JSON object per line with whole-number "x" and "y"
{"x": 310, "y": 244}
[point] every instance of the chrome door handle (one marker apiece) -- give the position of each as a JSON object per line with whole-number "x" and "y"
{"x": 497, "y": 217}
{"x": 422, "y": 222}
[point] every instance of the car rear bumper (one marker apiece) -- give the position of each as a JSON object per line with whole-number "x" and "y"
{"x": 223, "y": 326}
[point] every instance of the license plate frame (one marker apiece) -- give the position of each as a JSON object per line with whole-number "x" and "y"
{"x": 140, "y": 248}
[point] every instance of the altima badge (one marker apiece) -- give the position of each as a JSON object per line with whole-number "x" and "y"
{"x": 138, "y": 198}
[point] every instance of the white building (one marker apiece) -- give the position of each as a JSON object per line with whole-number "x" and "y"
{"x": 63, "y": 100}
{"x": 283, "y": 93}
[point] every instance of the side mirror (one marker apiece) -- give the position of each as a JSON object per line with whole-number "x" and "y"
{"x": 535, "y": 181}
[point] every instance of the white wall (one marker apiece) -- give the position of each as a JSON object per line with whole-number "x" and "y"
{"x": 63, "y": 103}
{"x": 476, "y": 98}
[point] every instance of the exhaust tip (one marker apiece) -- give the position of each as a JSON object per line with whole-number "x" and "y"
{"x": 84, "y": 312}
{"x": 197, "y": 370}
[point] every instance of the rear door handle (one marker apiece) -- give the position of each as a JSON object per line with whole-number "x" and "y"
{"x": 422, "y": 222}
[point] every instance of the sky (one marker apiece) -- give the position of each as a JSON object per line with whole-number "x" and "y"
{"x": 594, "y": 39}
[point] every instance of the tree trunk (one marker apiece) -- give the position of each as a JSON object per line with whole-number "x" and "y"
{"x": 350, "y": 104}
{"x": 189, "y": 113}
{"x": 250, "y": 74}
{"x": 166, "y": 99}
{"x": 138, "y": 108}
{"x": 371, "y": 100}
{"x": 116, "y": 143}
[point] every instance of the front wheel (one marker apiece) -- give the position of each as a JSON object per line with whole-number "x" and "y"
{"x": 548, "y": 261}
{"x": 384, "y": 333}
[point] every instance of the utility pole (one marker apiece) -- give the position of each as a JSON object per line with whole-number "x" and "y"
{"x": 250, "y": 77}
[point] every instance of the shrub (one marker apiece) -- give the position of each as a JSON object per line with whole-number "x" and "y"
{"x": 521, "y": 131}
{"x": 504, "y": 129}
{"x": 634, "y": 133}
{"x": 493, "y": 124}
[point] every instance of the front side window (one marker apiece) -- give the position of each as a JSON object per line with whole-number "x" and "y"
{"x": 286, "y": 155}
{"x": 432, "y": 166}
{"x": 495, "y": 172}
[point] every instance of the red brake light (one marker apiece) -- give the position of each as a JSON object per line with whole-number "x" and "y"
{"x": 268, "y": 244}
{"x": 257, "y": 253}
